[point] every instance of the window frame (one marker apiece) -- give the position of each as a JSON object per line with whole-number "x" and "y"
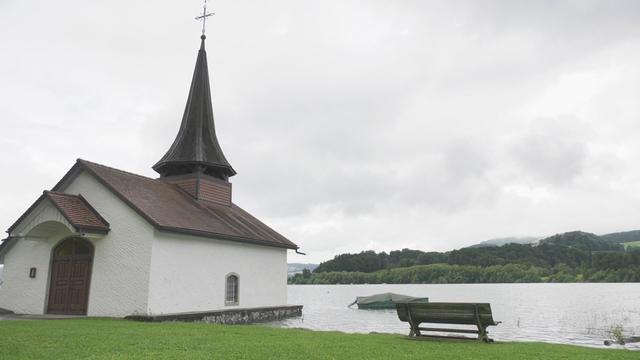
{"x": 236, "y": 298}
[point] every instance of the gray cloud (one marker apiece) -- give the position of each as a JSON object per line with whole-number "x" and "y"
{"x": 552, "y": 154}
{"x": 352, "y": 124}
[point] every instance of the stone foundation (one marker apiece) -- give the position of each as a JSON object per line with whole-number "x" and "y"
{"x": 229, "y": 316}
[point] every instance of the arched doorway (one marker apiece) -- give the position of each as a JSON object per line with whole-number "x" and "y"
{"x": 70, "y": 277}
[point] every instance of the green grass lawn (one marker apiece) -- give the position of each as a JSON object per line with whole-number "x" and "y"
{"x": 119, "y": 339}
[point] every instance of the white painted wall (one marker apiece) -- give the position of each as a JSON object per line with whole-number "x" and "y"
{"x": 138, "y": 270}
{"x": 122, "y": 259}
{"x": 20, "y": 293}
{"x": 188, "y": 274}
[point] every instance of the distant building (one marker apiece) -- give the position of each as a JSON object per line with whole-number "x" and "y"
{"x": 105, "y": 242}
{"x": 297, "y": 268}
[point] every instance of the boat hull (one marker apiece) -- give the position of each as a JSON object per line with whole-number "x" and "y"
{"x": 388, "y": 304}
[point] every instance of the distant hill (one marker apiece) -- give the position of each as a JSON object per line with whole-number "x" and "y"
{"x": 570, "y": 248}
{"x": 622, "y": 237}
{"x": 582, "y": 240}
{"x": 506, "y": 240}
{"x": 574, "y": 256}
{"x": 296, "y": 268}
{"x": 616, "y": 238}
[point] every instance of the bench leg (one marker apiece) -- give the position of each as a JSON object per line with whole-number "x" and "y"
{"x": 414, "y": 325}
{"x": 483, "y": 335}
{"x": 414, "y": 330}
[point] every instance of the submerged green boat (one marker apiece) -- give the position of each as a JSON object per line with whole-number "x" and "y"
{"x": 385, "y": 301}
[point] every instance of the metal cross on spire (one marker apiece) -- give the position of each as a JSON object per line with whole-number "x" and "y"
{"x": 204, "y": 16}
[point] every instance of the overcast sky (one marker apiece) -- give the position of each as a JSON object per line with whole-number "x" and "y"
{"x": 352, "y": 125}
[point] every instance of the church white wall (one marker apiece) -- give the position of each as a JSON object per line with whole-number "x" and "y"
{"x": 138, "y": 270}
{"x": 20, "y": 293}
{"x": 188, "y": 274}
{"x": 120, "y": 274}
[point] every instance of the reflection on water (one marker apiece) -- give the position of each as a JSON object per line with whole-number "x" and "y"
{"x": 579, "y": 314}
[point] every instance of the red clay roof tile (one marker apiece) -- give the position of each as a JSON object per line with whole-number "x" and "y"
{"x": 169, "y": 208}
{"x": 78, "y": 211}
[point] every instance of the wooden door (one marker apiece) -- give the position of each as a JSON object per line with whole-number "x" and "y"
{"x": 70, "y": 277}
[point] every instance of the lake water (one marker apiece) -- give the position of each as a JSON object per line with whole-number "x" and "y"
{"x": 578, "y": 314}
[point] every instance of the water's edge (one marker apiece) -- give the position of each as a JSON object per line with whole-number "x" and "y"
{"x": 567, "y": 313}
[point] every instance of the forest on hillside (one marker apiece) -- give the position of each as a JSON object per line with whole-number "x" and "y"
{"x": 569, "y": 257}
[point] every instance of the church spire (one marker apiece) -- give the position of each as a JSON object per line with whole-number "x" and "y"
{"x": 196, "y": 148}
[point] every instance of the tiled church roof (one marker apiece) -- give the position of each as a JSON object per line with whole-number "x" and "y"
{"x": 74, "y": 208}
{"x": 78, "y": 211}
{"x": 169, "y": 208}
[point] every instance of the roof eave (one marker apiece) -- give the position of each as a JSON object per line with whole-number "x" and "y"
{"x": 161, "y": 164}
{"x": 4, "y": 245}
{"x": 26, "y": 213}
{"x": 218, "y": 236}
{"x": 79, "y": 228}
{"x": 91, "y": 229}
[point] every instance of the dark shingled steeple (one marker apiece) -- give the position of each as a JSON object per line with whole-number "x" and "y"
{"x": 196, "y": 148}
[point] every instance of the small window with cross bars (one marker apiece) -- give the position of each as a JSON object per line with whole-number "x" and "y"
{"x": 231, "y": 293}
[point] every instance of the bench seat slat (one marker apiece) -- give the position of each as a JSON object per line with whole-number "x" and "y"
{"x": 466, "y": 331}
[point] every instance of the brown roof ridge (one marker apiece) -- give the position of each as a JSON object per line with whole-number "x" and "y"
{"x": 157, "y": 207}
{"x": 91, "y": 208}
{"x": 268, "y": 228}
{"x": 102, "y": 225}
{"x": 206, "y": 206}
{"x": 188, "y": 196}
{"x": 85, "y": 162}
{"x": 210, "y": 206}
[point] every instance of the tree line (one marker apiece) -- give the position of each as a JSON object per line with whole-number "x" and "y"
{"x": 568, "y": 257}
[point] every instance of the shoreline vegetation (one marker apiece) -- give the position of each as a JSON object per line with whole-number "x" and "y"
{"x": 563, "y": 258}
{"x": 110, "y": 339}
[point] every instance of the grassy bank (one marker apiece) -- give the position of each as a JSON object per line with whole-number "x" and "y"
{"x": 119, "y": 339}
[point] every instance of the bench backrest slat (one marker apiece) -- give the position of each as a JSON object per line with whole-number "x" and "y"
{"x": 446, "y": 313}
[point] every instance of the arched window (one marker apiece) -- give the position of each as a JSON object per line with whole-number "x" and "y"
{"x": 231, "y": 293}
{"x": 74, "y": 246}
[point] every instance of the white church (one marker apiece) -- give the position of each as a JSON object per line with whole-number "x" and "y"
{"x": 106, "y": 242}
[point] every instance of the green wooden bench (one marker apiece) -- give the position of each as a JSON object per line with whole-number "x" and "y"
{"x": 447, "y": 313}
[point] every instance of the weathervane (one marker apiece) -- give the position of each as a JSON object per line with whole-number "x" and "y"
{"x": 204, "y": 16}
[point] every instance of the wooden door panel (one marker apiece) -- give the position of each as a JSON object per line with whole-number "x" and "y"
{"x": 70, "y": 279}
{"x": 79, "y": 268}
{"x": 79, "y": 286}
{"x": 58, "y": 299}
{"x": 59, "y": 285}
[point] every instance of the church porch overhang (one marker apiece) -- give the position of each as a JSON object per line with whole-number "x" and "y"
{"x": 55, "y": 216}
